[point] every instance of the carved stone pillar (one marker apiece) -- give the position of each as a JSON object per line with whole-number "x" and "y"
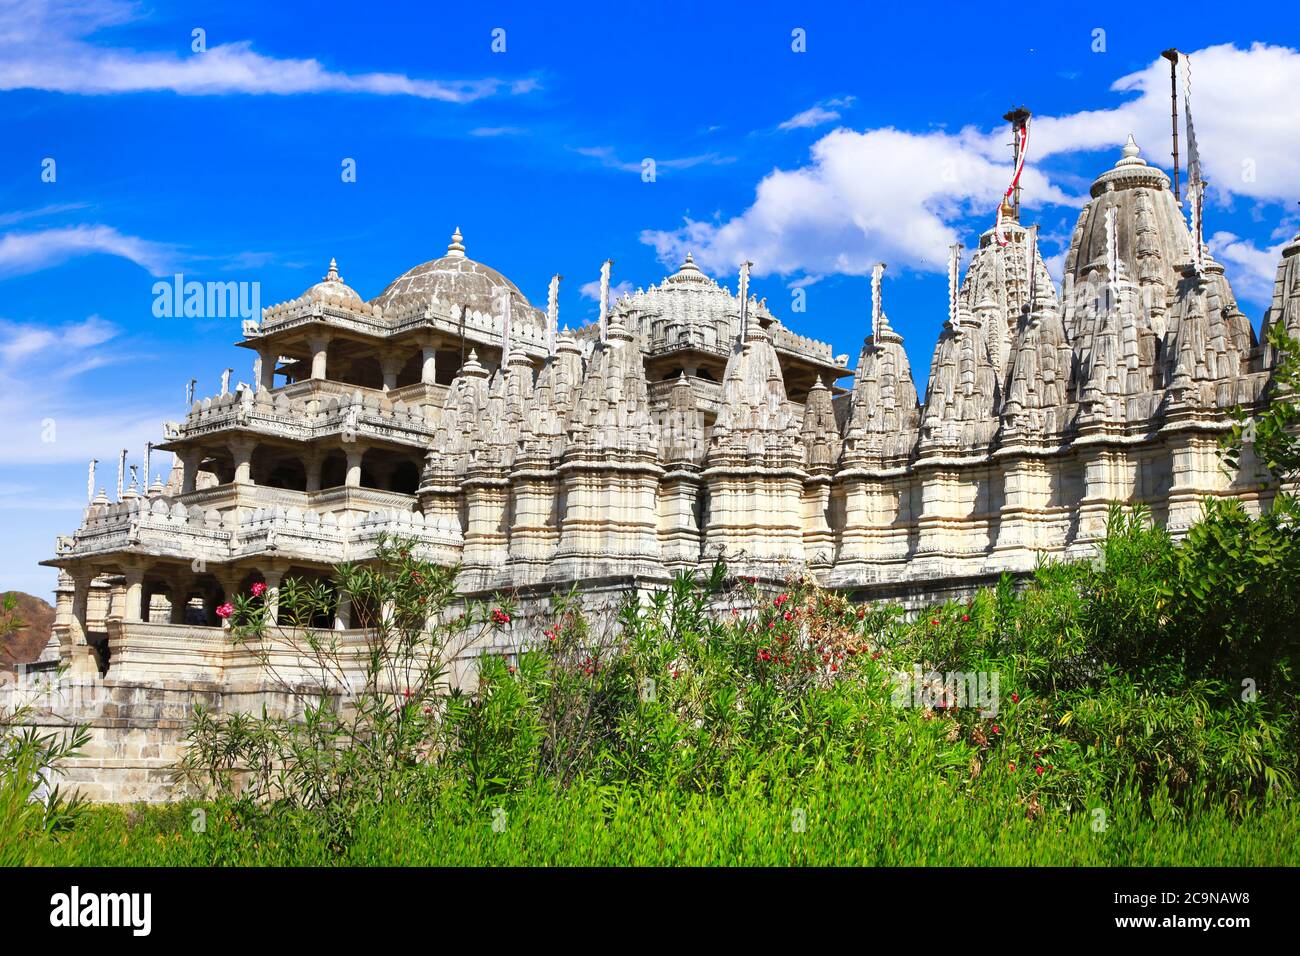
{"x": 180, "y": 596}
{"x": 242, "y": 451}
{"x": 355, "y": 453}
{"x": 428, "y": 363}
{"x": 390, "y": 365}
{"x": 229, "y": 579}
{"x": 266, "y": 370}
{"x": 132, "y": 606}
{"x": 189, "y": 470}
{"x": 319, "y": 345}
{"x": 343, "y": 613}
{"x": 272, "y": 575}
{"x": 311, "y": 466}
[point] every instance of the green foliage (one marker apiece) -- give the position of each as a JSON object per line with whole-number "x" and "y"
{"x": 369, "y": 716}
{"x": 1153, "y": 683}
{"x": 1273, "y": 430}
{"x": 34, "y": 809}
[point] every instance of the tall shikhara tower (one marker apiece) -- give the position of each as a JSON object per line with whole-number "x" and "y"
{"x": 685, "y": 425}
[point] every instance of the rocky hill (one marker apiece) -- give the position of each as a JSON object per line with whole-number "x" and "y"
{"x": 25, "y": 644}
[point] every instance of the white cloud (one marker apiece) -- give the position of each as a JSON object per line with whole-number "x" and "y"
{"x": 23, "y": 252}
{"x": 43, "y": 46}
{"x": 818, "y": 115}
{"x": 903, "y": 197}
{"x": 813, "y": 116}
{"x": 1251, "y": 269}
{"x": 609, "y": 159}
{"x": 44, "y": 416}
{"x": 865, "y": 197}
{"x": 591, "y": 290}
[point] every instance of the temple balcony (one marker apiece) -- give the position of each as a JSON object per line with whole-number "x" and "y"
{"x": 333, "y": 411}
{"x": 160, "y": 527}
{"x": 479, "y": 329}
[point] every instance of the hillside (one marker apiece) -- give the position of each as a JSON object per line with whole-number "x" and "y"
{"x": 25, "y": 644}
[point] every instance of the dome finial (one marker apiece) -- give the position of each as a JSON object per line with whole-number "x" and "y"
{"x": 457, "y": 247}
{"x": 1131, "y": 148}
{"x": 333, "y": 274}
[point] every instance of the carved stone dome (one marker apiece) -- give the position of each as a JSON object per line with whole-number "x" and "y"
{"x": 332, "y": 286}
{"x": 459, "y": 280}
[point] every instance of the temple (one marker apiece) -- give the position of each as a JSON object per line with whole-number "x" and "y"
{"x": 687, "y": 423}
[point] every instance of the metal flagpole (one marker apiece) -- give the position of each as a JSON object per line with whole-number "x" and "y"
{"x": 1172, "y": 56}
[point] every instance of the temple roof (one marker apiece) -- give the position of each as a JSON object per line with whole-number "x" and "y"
{"x": 332, "y": 286}
{"x": 459, "y": 280}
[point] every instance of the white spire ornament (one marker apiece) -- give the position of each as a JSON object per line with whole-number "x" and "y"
{"x": 1031, "y": 248}
{"x": 744, "y": 299}
{"x": 954, "y": 268}
{"x": 552, "y": 313}
{"x": 1112, "y": 259}
{"x": 604, "y": 297}
{"x": 90, "y": 480}
{"x": 877, "y": 305}
{"x": 503, "y": 306}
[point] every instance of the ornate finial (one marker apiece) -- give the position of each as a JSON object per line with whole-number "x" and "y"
{"x": 1131, "y": 154}
{"x": 333, "y": 274}
{"x": 472, "y": 366}
{"x": 456, "y": 248}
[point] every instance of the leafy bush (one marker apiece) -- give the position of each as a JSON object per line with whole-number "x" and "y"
{"x": 34, "y": 810}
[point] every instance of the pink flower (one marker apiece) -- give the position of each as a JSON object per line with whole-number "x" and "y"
{"x": 258, "y": 589}
{"x": 499, "y": 616}
{"x": 225, "y": 610}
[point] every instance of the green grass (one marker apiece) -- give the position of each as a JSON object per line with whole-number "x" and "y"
{"x": 859, "y": 815}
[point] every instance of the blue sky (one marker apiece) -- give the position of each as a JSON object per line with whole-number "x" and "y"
{"x": 883, "y": 141}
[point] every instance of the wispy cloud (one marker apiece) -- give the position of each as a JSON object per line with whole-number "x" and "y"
{"x": 45, "y": 415}
{"x": 608, "y": 157}
{"x": 498, "y": 131}
{"x": 44, "y": 46}
{"x": 24, "y": 252}
{"x": 22, "y": 215}
{"x": 827, "y": 111}
{"x": 591, "y": 290}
